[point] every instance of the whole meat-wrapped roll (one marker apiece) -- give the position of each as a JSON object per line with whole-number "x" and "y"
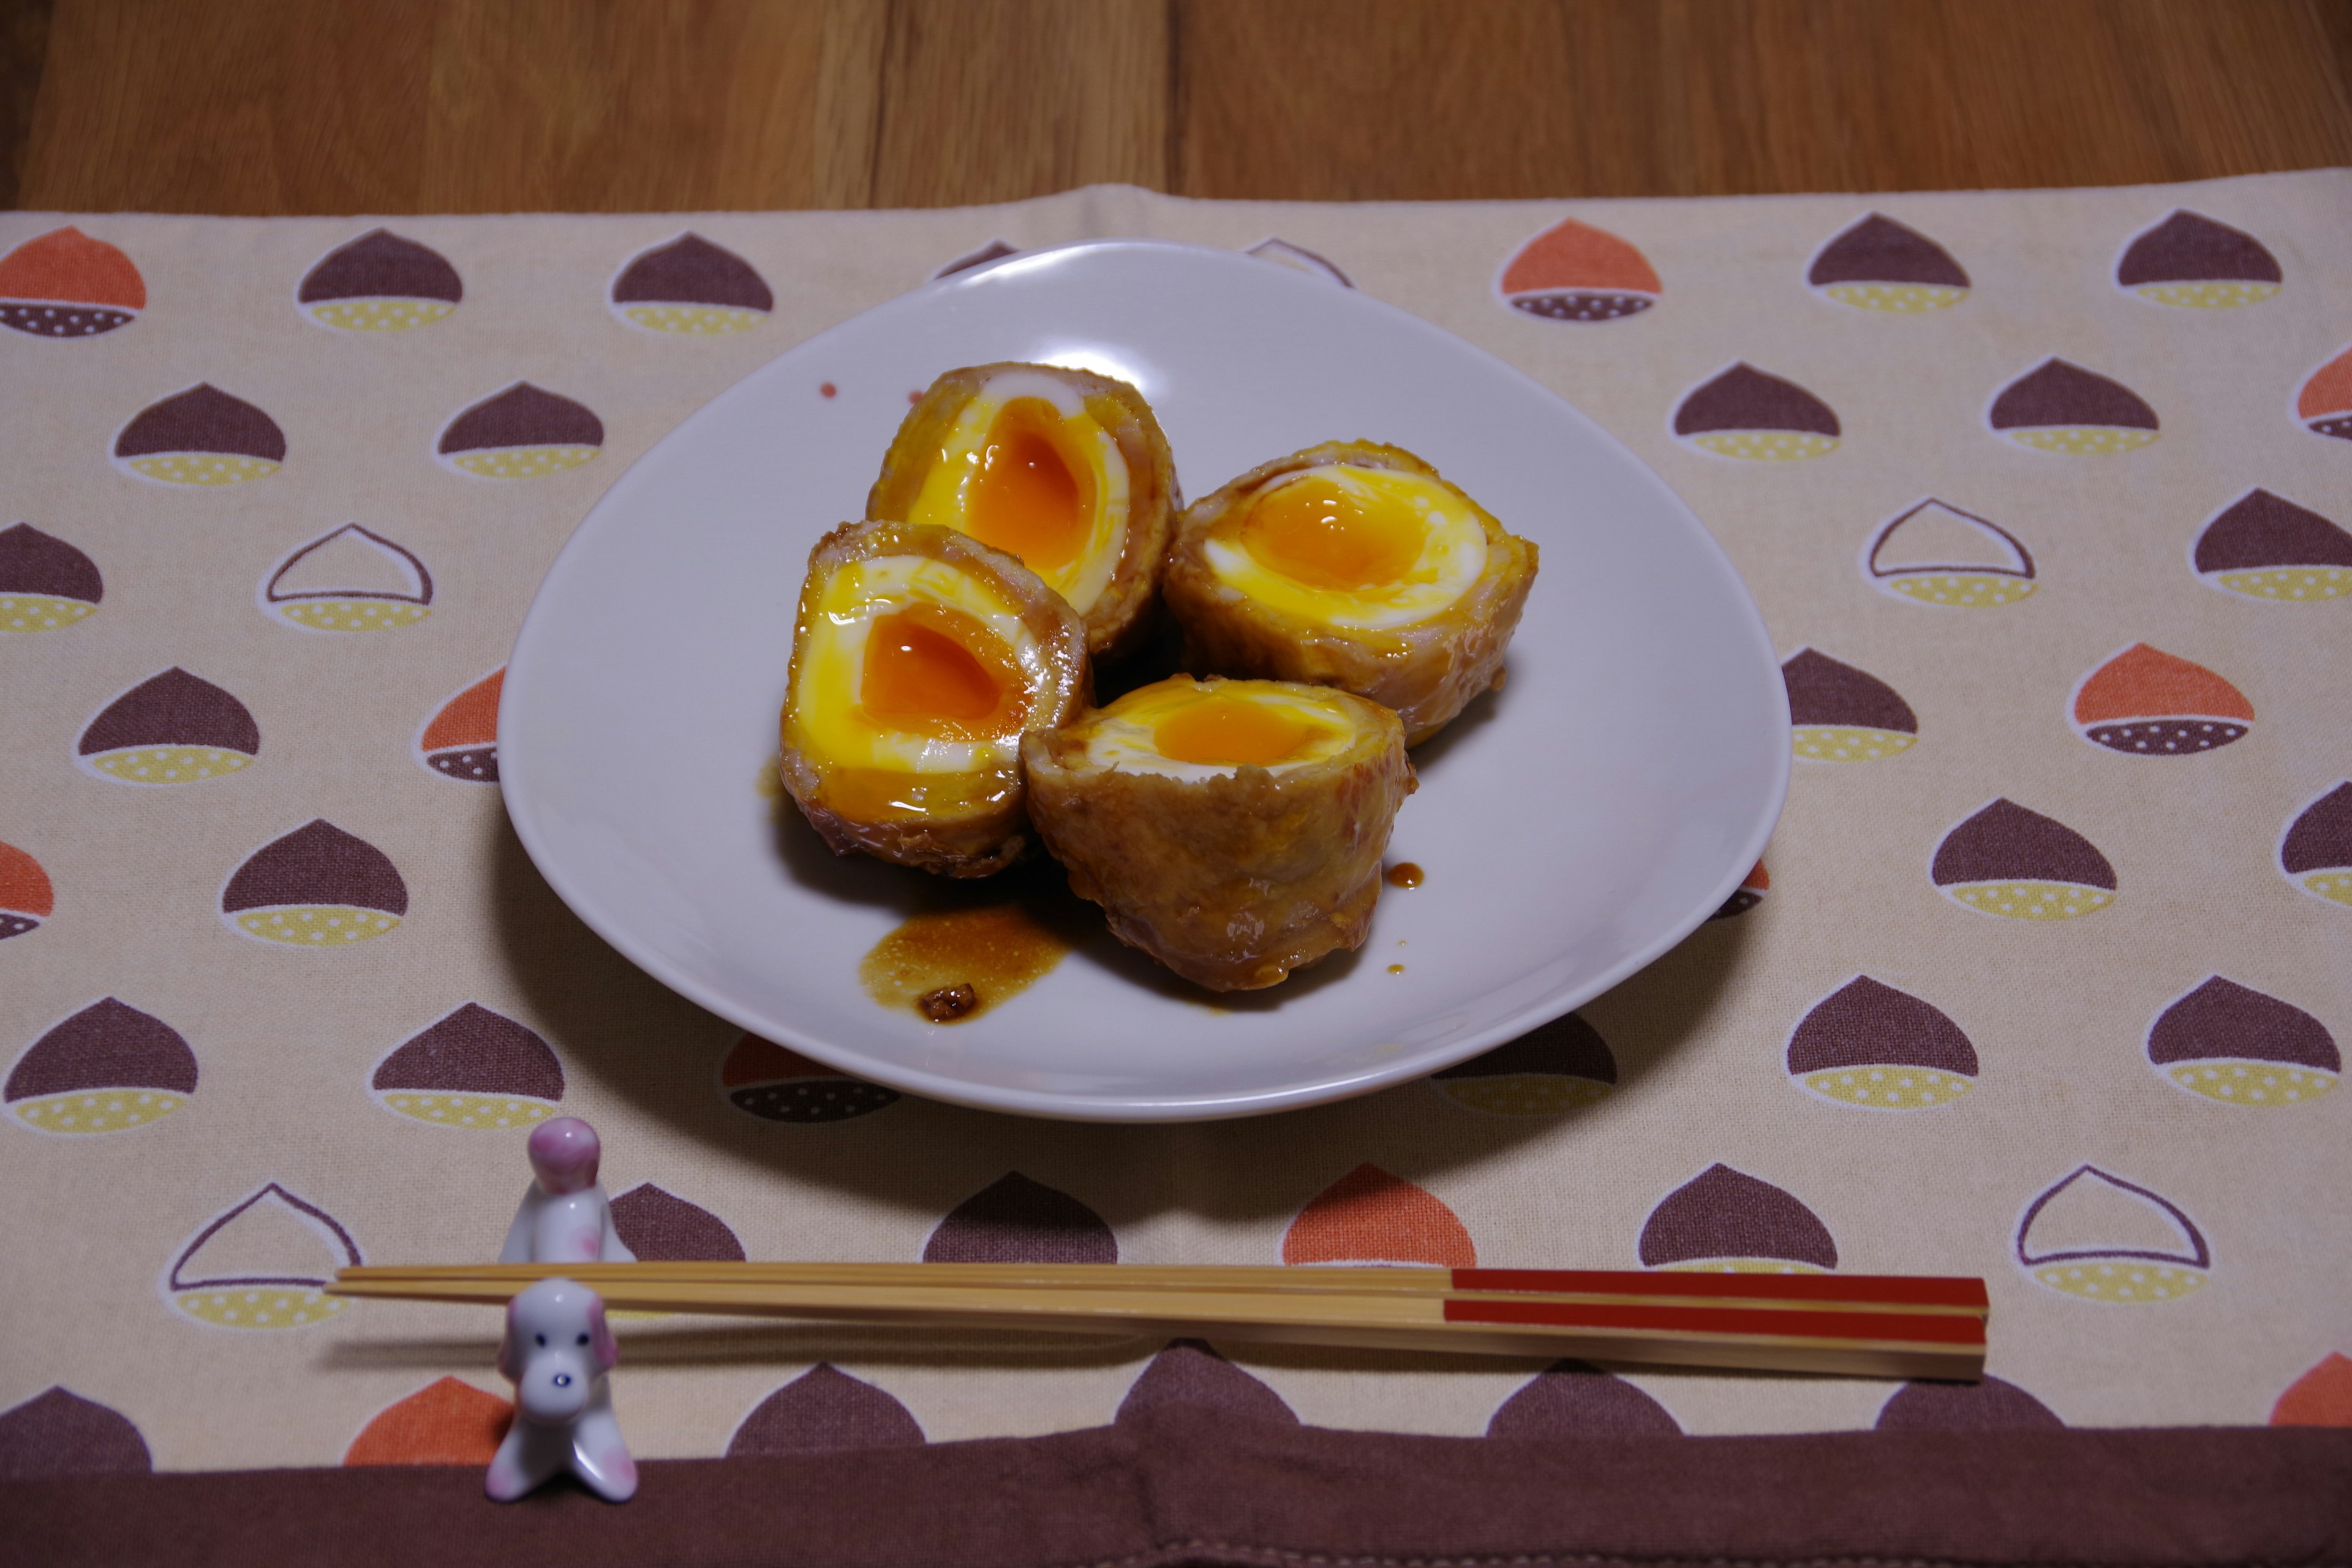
{"x": 921, "y": 657}
{"x": 1353, "y": 565}
{"x": 1063, "y": 468}
{"x": 1231, "y": 829}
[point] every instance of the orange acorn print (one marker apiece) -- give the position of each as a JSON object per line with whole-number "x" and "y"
{"x": 2325, "y": 404}
{"x": 762, "y": 1079}
{"x": 461, "y": 740}
{"x": 2320, "y": 1398}
{"x": 25, "y": 897}
{"x": 1574, "y": 272}
{"x": 63, "y": 284}
{"x": 1747, "y": 895}
{"x": 1371, "y": 1217}
{"x": 446, "y": 1421}
{"x": 2145, "y": 702}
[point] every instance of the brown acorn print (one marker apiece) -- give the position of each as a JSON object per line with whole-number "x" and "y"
{"x": 1841, "y": 714}
{"x": 1932, "y": 553}
{"x": 1190, "y": 1373}
{"x": 661, "y": 1227}
{"x": 171, "y": 729}
{"x": 380, "y": 282}
{"x": 1881, "y": 265}
{"x": 200, "y": 437}
{"x": 1576, "y": 1399}
{"x": 44, "y": 583}
{"x": 2321, "y": 1396}
{"x": 106, "y": 1069}
{"x": 351, "y": 580}
{"x": 2145, "y": 702}
{"x": 2059, "y": 407}
{"x": 2190, "y": 259}
{"x": 25, "y": 897}
{"x": 474, "y": 1069}
{"x": 461, "y": 740}
{"x": 1371, "y": 1217}
{"x": 2266, "y": 547}
{"x": 1750, "y": 892}
{"x": 63, "y": 284}
{"x": 1298, "y": 258}
{"x": 2325, "y": 404}
{"x": 317, "y": 887}
{"x": 1016, "y": 1220}
{"x": 523, "y": 433}
{"x": 1563, "y": 1066}
{"x": 762, "y": 1078}
{"x": 2103, "y": 1238}
{"x": 1868, "y": 1045}
{"x": 825, "y": 1410}
{"x": 1574, "y": 272}
{"x": 2315, "y": 851}
{"x": 693, "y": 288}
{"x": 995, "y": 250}
{"x": 2234, "y": 1043}
{"x": 2008, "y": 861}
{"x": 446, "y": 1421}
{"x": 57, "y": 1432}
{"x": 1726, "y": 1221}
{"x": 1989, "y": 1405}
{"x": 1744, "y": 412}
{"x": 263, "y": 1263}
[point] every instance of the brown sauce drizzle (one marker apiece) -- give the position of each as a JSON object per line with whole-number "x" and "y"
{"x": 1404, "y": 874}
{"x": 952, "y": 965}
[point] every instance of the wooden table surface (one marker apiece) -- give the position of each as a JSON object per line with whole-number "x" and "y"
{"x": 405, "y": 106}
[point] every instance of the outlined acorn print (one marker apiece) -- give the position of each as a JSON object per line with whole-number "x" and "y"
{"x": 2264, "y": 546}
{"x": 1878, "y": 264}
{"x": 173, "y": 728}
{"x": 201, "y": 437}
{"x": 1745, "y": 412}
{"x": 380, "y": 282}
{"x": 263, "y": 1263}
{"x": 2145, "y": 702}
{"x": 2233, "y": 1044}
{"x": 1297, "y": 259}
{"x": 66, "y": 285}
{"x": 44, "y": 583}
{"x": 1933, "y": 553}
{"x": 1869, "y": 1045}
{"x": 1575, "y": 272}
{"x": 472, "y": 1068}
{"x": 107, "y": 1067}
{"x": 2096, "y": 1237}
{"x": 1371, "y": 1217}
{"x": 692, "y": 287}
{"x": 2058, "y": 406}
{"x": 1841, "y": 714}
{"x": 2191, "y": 260}
{"x": 522, "y": 433}
{"x": 352, "y": 579}
{"x": 2008, "y": 861}
{"x": 1016, "y": 1220}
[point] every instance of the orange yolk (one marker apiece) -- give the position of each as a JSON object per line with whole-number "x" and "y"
{"x": 941, "y": 672}
{"x": 1315, "y": 533}
{"x": 1029, "y": 499}
{"x": 1224, "y": 730}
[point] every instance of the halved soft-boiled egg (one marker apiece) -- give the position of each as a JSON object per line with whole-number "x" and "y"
{"x": 1063, "y": 468}
{"x": 920, "y": 658}
{"x": 1231, "y": 829}
{"x": 1354, "y": 565}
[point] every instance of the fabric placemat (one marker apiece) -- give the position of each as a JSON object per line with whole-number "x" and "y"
{"x": 2043, "y": 496}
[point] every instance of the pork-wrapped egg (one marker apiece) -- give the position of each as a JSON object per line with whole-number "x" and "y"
{"x": 1353, "y": 565}
{"x": 1063, "y": 468}
{"x": 920, "y": 658}
{"x": 1231, "y": 829}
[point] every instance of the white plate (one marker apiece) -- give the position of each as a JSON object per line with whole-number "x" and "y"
{"x": 1573, "y": 826}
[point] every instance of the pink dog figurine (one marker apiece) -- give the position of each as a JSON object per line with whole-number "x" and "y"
{"x": 556, "y": 1353}
{"x": 564, "y": 1216}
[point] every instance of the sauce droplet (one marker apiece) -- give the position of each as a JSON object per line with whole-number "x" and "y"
{"x": 1404, "y": 874}
{"x": 827, "y": 389}
{"x": 1396, "y": 969}
{"x": 952, "y": 966}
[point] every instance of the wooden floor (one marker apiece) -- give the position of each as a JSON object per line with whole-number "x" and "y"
{"x": 403, "y": 106}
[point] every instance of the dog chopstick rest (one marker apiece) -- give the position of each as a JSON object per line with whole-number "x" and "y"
{"x": 556, "y": 1353}
{"x": 564, "y": 1216}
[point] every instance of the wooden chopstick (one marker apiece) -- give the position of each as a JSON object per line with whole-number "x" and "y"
{"x": 1873, "y": 1326}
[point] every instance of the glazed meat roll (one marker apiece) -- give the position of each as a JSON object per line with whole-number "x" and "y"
{"x": 1063, "y": 468}
{"x": 1352, "y": 565}
{"x": 921, "y": 657}
{"x": 1231, "y": 829}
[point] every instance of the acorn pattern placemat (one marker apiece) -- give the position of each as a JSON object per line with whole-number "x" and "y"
{"x": 2046, "y": 499}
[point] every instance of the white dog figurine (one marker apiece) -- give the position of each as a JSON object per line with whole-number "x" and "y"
{"x": 564, "y": 1216}
{"x": 556, "y": 1353}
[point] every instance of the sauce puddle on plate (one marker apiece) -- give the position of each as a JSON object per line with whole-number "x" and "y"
{"x": 952, "y": 966}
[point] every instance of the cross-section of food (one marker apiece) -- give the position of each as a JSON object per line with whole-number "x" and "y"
{"x": 1231, "y": 829}
{"x": 1353, "y": 565}
{"x": 1063, "y": 468}
{"x": 921, "y": 657}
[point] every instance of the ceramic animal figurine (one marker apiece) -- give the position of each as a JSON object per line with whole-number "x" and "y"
{"x": 564, "y": 1216}
{"x": 556, "y": 1353}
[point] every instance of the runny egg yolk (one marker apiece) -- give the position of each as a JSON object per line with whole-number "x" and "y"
{"x": 1314, "y": 531}
{"x": 938, "y": 671}
{"x": 1028, "y": 498}
{"x": 1225, "y": 731}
